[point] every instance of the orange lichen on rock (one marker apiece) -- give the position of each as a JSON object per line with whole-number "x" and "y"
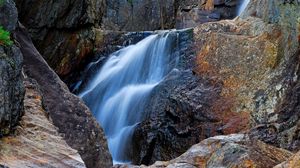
{"x": 235, "y": 151}
{"x": 209, "y": 5}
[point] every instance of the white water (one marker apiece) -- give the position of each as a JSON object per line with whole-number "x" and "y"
{"x": 243, "y": 7}
{"x": 118, "y": 91}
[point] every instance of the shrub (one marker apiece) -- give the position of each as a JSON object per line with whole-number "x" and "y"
{"x": 5, "y": 37}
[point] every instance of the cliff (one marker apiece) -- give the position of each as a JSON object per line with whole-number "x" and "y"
{"x": 50, "y": 126}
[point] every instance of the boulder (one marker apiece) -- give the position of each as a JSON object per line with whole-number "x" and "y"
{"x": 232, "y": 151}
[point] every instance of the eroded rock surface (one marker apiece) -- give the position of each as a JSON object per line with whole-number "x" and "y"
{"x": 232, "y": 151}
{"x": 293, "y": 162}
{"x": 37, "y": 142}
{"x": 69, "y": 114}
{"x": 257, "y": 61}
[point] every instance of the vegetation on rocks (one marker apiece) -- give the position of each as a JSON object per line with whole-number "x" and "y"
{"x": 4, "y": 36}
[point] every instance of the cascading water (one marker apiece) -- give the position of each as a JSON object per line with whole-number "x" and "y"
{"x": 243, "y": 6}
{"x": 118, "y": 91}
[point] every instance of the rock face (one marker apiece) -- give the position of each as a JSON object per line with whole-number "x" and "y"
{"x": 29, "y": 147}
{"x": 68, "y": 36}
{"x": 133, "y": 15}
{"x": 64, "y": 36}
{"x": 244, "y": 74}
{"x": 37, "y": 142}
{"x": 11, "y": 86}
{"x": 232, "y": 151}
{"x": 183, "y": 110}
{"x": 72, "y": 118}
{"x": 257, "y": 61}
{"x": 193, "y": 13}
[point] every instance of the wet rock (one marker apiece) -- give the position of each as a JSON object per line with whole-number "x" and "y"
{"x": 106, "y": 43}
{"x": 11, "y": 86}
{"x": 235, "y": 150}
{"x": 69, "y": 114}
{"x": 37, "y": 142}
{"x": 183, "y": 110}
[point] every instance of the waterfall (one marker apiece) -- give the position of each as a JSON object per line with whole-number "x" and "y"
{"x": 117, "y": 92}
{"x": 243, "y": 6}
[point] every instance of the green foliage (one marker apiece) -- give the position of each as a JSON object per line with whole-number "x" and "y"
{"x": 1, "y": 2}
{"x": 5, "y": 37}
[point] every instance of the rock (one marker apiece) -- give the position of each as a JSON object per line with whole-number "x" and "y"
{"x": 284, "y": 131}
{"x": 260, "y": 70}
{"x": 235, "y": 150}
{"x": 8, "y": 15}
{"x": 206, "y": 11}
{"x": 241, "y": 73}
{"x": 60, "y": 14}
{"x": 132, "y": 15}
{"x": 11, "y": 86}
{"x": 65, "y": 36}
{"x": 69, "y": 114}
{"x": 37, "y": 142}
{"x": 292, "y": 162}
{"x": 68, "y": 36}
{"x": 183, "y": 110}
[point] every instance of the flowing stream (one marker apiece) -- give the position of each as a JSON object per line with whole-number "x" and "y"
{"x": 118, "y": 91}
